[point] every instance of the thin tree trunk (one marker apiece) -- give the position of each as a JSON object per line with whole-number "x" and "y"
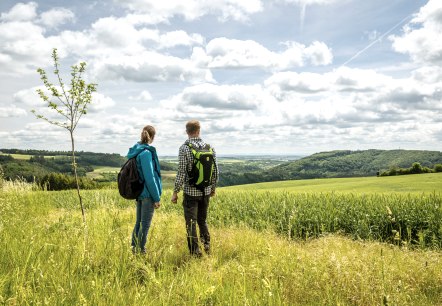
{"x": 74, "y": 165}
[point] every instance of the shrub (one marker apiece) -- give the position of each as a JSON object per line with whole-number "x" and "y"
{"x": 2, "y": 177}
{"x": 58, "y": 181}
{"x": 416, "y": 168}
{"x": 438, "y": 168}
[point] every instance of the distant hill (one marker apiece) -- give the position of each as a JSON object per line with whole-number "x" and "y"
{"x": 342, "y": 163}
{"x": 354, "y": 163}
{"x": 34, "y": 164}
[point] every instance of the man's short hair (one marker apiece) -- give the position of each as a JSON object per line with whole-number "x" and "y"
{"x": 193, "y": 126}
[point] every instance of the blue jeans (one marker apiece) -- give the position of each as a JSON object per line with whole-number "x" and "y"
{"x": 145, "y": 209}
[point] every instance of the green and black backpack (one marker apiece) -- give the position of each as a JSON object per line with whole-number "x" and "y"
{"x": 200, "y": 176}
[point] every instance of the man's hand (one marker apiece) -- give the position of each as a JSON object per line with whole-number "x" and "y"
{"x": 213, "y": 193}
{"x": 174, "y": 197}
{"x": 157, "y": 204}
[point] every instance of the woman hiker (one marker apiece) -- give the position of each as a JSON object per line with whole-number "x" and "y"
{"x": 148, "y": 167}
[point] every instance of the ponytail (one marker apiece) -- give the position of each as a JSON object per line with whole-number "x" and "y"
{"x": 147, "y": 134}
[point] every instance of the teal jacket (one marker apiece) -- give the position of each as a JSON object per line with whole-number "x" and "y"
{"x": 149, "y": 169}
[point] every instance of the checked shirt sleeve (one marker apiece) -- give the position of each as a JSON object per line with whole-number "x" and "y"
{"x": 181, "y": 173}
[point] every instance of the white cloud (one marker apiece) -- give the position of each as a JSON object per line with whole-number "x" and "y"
{"x": 151, "y": 67}
{"x": 228, "y": 97}
{"x": 21, "y": 12}
{"x": 29, "y": 96}
{"x": 56, "y": 16}
{"x": 12, "y": 111}
{"x": 100, "y": 103}
{"x": 340, "y": 80}
{"x": 194, "y": 9}
{"x": 359, "y": 80}
{"x": 23, "y": 47}
{"x": 179, "y": 38}
{"x": 233, "y": 53}
{"x": 310, "y": 2}
{"x": 280, "y": 84}
{"x": 318, "y": 53}
{"x": 422, "y": 36}
{"x": 143, "y": 96}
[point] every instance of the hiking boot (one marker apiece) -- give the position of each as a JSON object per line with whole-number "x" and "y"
{"x": 197, "y": 254}
{"x": 207, "y": 248}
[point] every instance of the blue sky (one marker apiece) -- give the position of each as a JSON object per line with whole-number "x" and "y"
{"x": 263, "y": 77}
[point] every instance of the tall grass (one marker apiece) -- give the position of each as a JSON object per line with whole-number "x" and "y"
{"x": 397, "y": 218}
{"x": 260, "y": 252}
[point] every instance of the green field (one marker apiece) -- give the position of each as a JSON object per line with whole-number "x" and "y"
{"x": 18, "y": 156}
{"x": 280, "y": 246}
{"x": 100, "y": 171}
{"x": 28, "y": 157}
{"x": 389, "y": 184}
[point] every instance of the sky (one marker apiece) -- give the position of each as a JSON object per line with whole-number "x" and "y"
{"x": 287, "y": 77}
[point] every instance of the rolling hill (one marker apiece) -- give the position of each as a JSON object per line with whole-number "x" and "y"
{"x": 342, "y": 163}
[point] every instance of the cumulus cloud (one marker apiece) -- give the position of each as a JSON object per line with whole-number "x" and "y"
{"x": 194, "y": 9}
{"x": 143, "y": 96}
{"x": 179, "y": 38}
{"x": 421, "y": 37}
{"x": 23, "y": 47}
{"x": 22, "y": 33}
{"x": 100, "y": 102}
{"x": 284, "y": 82}
{"x": 343, "y": 79}
{"x": 233, "y": 53}
{"x": 151, "y": 67}
{"x": 12, "y": 111}
{"x": 56, "y": 16}
{"x": 310, "y": 2}
{"x": 29, "y": 96}
{"x": 20, "y": 12}
{"x": 231, "y": 97}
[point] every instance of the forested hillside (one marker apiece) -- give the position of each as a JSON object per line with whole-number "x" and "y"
{"x": 35, "y": 164}
{"x": 343, "y": 163}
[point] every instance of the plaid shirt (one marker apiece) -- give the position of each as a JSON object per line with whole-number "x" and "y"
{"x": 185, "y": 159}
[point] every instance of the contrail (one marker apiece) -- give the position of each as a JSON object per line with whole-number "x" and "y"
{"x": 375, "y": 41}
{"x": 303, "y": 8}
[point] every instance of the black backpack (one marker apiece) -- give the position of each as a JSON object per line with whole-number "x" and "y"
{"x": 200, "y": 176}
{"x": 130, "y": 185}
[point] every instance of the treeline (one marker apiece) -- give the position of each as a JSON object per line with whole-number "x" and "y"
{"x": 416, "y": 168}
{"x": 45, "y": 167}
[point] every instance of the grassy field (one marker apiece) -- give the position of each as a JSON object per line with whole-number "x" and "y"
{"x": 261, "y": 253}
{"x": 28, "y": 157}
{"x": 431, "y": 182}
{"x": 99, "y": 171}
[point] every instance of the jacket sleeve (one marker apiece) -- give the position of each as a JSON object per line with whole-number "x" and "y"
{"x": 147, "y": 168}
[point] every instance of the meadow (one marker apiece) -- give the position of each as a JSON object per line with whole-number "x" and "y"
{"x": 281, "y": 243}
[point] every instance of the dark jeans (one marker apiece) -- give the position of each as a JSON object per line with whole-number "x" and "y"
{"x": 145, "y": 209}
{"x": 195, "y": 212}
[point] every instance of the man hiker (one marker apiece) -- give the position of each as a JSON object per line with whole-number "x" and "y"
{"x": 198, "y": 172}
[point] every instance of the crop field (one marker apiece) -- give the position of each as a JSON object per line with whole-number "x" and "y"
{"x": 431, "y": 182}
{"x": 271, "y": 245}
